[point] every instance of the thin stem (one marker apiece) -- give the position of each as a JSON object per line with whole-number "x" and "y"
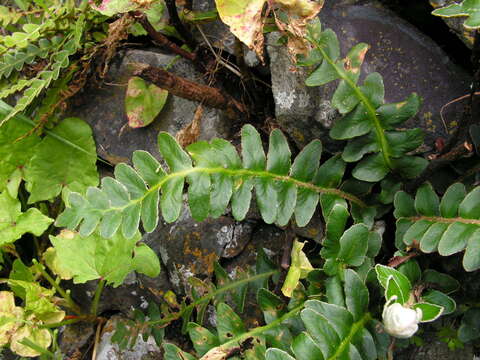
{"x": 443, "y": 220}
{"x": 258, "y": 330}
{"x": 65, "y": 295}
{"x": 96, "y": 298}
{"x": 358, "y": 326}
{"x": 370, "y": 108}
{"x": 209, "y": 296}
{"x": 242, "y": 173}
{"x": 68, "y": 322}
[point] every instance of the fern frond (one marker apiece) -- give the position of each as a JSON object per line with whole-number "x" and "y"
{"x": 448, "y": 226}
{"x": 58, "y": 61}
{"x": 16, "y": 60}
{"x": 217, "y": 177}
{"x": 367, "y": 122}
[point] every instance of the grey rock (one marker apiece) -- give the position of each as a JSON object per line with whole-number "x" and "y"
{"x": 434, "y": 349}
{"x": 408, "y": 61}
{"x": 103, "y": 108}
{"x": 75, "y": 336}
{"x": 142, "y": 350}
{"x": 189, "y": 248}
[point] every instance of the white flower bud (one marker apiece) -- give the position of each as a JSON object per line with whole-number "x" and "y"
{"x": 400, "y": 321}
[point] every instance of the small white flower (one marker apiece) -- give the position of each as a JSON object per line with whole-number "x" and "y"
{"x": 400, "y": 321}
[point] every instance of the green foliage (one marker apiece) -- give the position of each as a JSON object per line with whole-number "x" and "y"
{"x": 45, "y": 40}
{"x": 143, "y": 102}
{"x": 14, "y": 223}
{"x": 470, "y": 325}
{"x": 216, "y": 178}
{"x": 467, "y": 8}
{"x": 73, "y": 166}
{"x": 202, "y": 293}
{"x": 368, "y": 123}
{"x": 448, "y": 226}
{"x": 94, "y": 257}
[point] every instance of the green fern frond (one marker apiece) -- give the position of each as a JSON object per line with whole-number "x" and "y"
{"x": 448, "y": 226}
{"x": 217, "y": 177}
{"x": 367, "y": 122}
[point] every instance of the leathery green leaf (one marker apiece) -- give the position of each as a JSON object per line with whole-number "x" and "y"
{"x": 149, "y": 214}
{"x": 373, "y": 88}
{"x": 95, "y": 257}
{"x": 372, "y": 168}
{"x": 131, "y": 180}
{"x": 404, "y": 205}
{"x": 220, "y": 194}
{"x": 354, "y": 245}
{"x": 229, "y": 324}
{"x": 324, "y": 74}
{"x": 252, "y": 150}
{"x": 416, "y": 232}
{"x": 383, "y": 274}
{"x": 143, "y": 102}
{"x": 277, "y": 354}
{"x": 469, "y": 208}
{"x": 199, "y": 195}
{"x": 356, "y": 294}
{"x": 431, "y": 237}
{"x": 241, "y": 198}
{"x": 265, "y": 190}
{"x": 471, "y": 259}
{"x": 330, "y": 173}
{"x": 47, "y": 175}
{"x": 321, "y": 331}
{"x": 177, "y": 159}
{"x": 307, "y": 161}
{"x": 430, "y": 312}
{"x": 393, "y": 114}
{"x": 439, "y": 298}
{"x": 14, "y": 223}
{"x": 455, "y": 238}
{"x": 171, "y": 200}
{"x": 304, "y": 347}
{"x": 278, "y": 158}
{"x": 394, "y": 290}
{"x": 307, "y": 201}
{"x": 287, "y": 198}
{"x": 426, "y": 201}
{"x": 338, "y": 317}
{"x": 203, "y": 340}
{"x": 344, "y": 98}
{"x": 172, "y": 352}
{"x": 352, "y": 125}
{"x": 147, "y": 167}
{"x": 451, "y": 199}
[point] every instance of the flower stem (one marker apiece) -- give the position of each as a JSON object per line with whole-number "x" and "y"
{"x": 96, "y": 298}
{"x": 65, "y": 295}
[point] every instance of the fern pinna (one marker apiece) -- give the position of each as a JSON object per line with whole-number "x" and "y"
{"x": 368, "y": 124}
{"x": 217, "y": 177}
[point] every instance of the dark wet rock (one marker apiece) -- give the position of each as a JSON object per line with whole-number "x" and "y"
{"x": 104, "y": 109}
{"x": 189, "y": 248}
{"x": 142, "y": 350}
{"x": 408, "y": 61}
{"x": 434, "y": 349}
{"x": 75, "y": 336}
